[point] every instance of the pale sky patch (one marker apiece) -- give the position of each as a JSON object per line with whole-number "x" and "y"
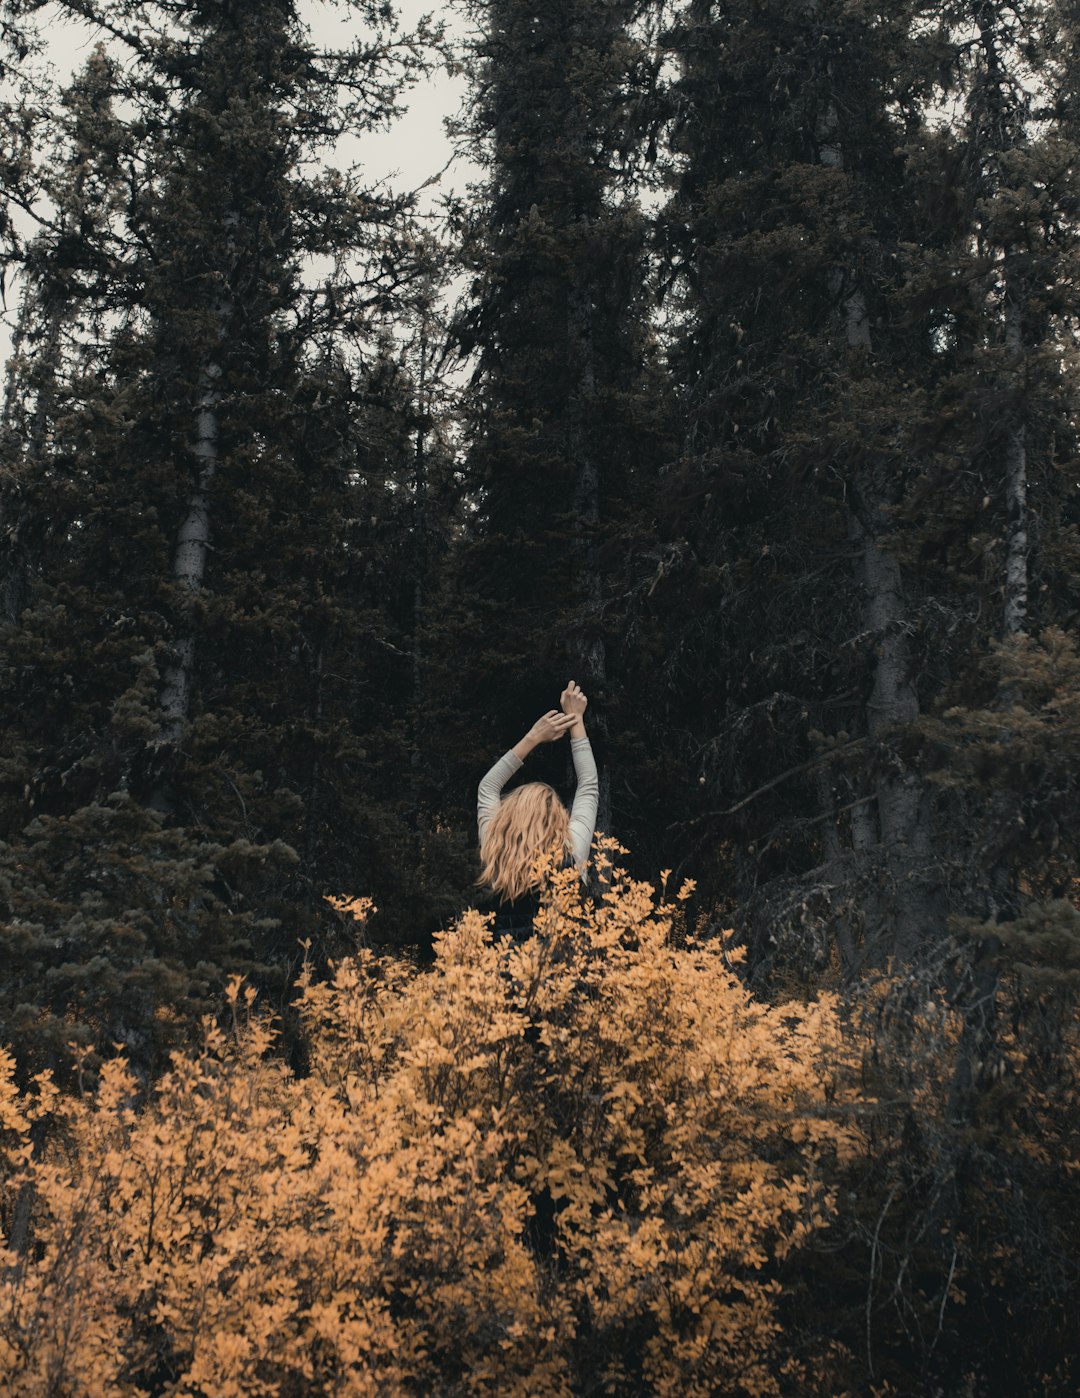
{"x": 414, "y": 152}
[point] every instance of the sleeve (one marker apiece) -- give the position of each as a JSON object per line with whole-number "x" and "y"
{"x": 586, "y": 798}
{"x": 490, "y": 790}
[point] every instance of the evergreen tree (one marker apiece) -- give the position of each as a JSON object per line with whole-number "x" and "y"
{"x": 801, "y": 361}
{"x": 564, "y": 405}
{"x": 1008, "y": 406}
{"x": 873, "y": 239}
{"x": 204, "y": 686}
{"x": 871, "y": 351}
{"x": 24, "y": 112}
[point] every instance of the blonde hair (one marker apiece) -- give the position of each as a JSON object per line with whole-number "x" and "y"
{"x": 530, "y": 823}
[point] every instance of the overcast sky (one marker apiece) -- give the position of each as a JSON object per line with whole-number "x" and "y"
{"x": 411, "y": 153}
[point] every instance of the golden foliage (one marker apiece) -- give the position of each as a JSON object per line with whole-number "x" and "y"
{"x": 542, "y": 1168}
{"x": 356, "y": 909}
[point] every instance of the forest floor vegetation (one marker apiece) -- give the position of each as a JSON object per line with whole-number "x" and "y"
{"x": 590, "y": 1162}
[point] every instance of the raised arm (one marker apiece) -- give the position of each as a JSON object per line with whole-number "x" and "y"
{"x": 489, "y": 793}
{"x": 586, "y": 798}
{"x": 587, "y": 794}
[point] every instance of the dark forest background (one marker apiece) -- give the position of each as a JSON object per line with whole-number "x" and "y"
{"x": 742, "y": 389}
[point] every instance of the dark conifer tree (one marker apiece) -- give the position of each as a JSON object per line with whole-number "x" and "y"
{"x": 872, "y": 306}
{"x": 25, "y": 108}
{"x": 1007, "y": 414}
{"x": 1010, "y": 397}
{"x": 563, "y": 410}
{"x": 801, "y": 367}
{"x": 205, "y": 685}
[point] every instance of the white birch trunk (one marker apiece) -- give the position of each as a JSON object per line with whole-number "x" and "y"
{"x": 189, "y": 557}
{"x": 193, "y": 537}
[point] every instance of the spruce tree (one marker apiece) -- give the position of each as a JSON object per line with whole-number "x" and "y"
{"x": 204, "y": 687}
{"x": 563, "y": 408}
{"x": 873, "y": 243}
{"x": 871, "y": 350}
{"x": 801, "y": 362}
{"x": 1002, "y": 742}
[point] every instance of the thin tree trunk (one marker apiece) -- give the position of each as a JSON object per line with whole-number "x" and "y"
{"x": 833, "y": 854}
{"x": 1016, "y": 555}
{"x": 193, "y": 537}
{"x": 189, "y": 557}
{"x": 588, "y": 650}
{"x": 311, "y": 822}
{"x": 420, "y": 527}
{"x": 900, "y": 912}
{"x": 908, "y": 901}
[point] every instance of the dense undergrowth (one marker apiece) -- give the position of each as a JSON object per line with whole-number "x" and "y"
{"x": 591, "y": 1163}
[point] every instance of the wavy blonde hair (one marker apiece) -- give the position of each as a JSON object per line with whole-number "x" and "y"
{"x": 531, "y": 822}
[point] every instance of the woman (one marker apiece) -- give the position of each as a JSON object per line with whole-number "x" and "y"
{"x": 532, "y": 820}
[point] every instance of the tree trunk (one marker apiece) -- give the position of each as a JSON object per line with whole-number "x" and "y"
{"x": 1016, "y": 554}
{"x": 588, "y": 652}
{"x": 1004, "y": 128}
{"x": 311, "y": 831}
{"x": 909, "y": 902}
{"x": 906, "y": 903}
{"x": 420, "y": 524}
{"x": 193, "y": 537}
{"x": 189, "y": 557}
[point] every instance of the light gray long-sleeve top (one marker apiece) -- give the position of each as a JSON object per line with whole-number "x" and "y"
{"x": 582, "y": 814}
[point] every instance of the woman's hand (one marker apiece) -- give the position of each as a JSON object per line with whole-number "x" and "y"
{"x": 552, "y": 726}
{"x": 572, "y": 700}
{"x": 547, "y": 729}
{"x": 573, "y": 703}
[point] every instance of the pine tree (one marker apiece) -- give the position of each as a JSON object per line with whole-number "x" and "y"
{"x": 204, "y": 686}
{"x": 563, "y": 412}
{"x": 1009, "y": 403}
{"x": 801, "y": 361}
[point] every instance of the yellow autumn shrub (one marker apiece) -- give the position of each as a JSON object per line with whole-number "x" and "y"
{"x": 566, "y": 1166}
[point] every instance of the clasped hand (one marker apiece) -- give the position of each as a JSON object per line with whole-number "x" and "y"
{"x": 572, "y": 700}
{"x": 550, "y": 726}
{"x": 553, "y": 724}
